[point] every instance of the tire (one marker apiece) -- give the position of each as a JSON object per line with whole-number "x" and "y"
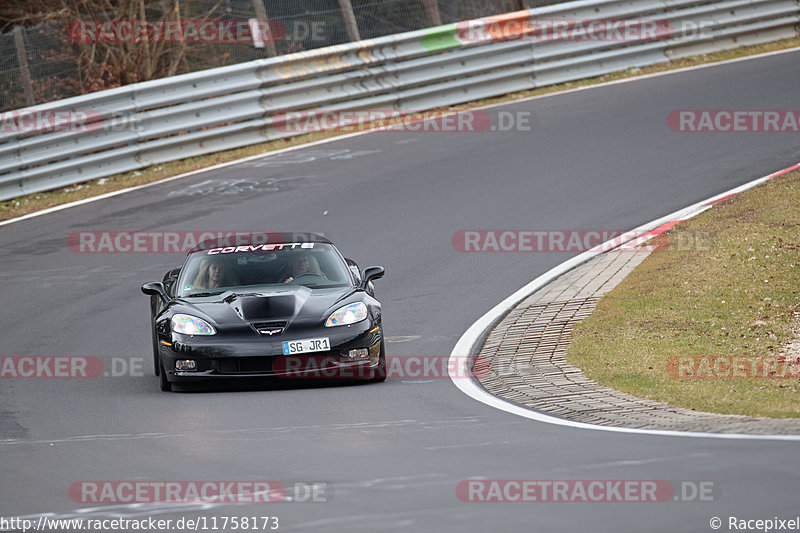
{"x": 165, "y": 385}
{"x": 379, "y": 373}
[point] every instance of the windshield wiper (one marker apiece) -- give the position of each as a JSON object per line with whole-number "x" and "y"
{"x": 202, "y": 294}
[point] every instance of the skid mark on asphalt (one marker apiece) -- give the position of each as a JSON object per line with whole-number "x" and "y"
{"x": 388, "y": 483}
{"x": 309, "y": 156}
{"x": 399, "y": 520}
{"x": 470, "y": 445}
{"x": 85, "y": 438}
{"x": 98, "y": 277}
{"x": 222, "y": 186}
{"x": 407, "y": 425}
{"x": 131, "y": 510}
{"x": 681, "y": 459}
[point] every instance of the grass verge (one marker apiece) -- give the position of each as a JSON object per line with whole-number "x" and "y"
{"x": 31, "y": 203}
{"x": 730, "y": 298}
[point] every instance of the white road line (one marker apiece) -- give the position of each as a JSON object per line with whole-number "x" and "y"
{"x": 464, "y": 347}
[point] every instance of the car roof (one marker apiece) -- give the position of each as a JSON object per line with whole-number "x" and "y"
{"x": 257, "y": 238}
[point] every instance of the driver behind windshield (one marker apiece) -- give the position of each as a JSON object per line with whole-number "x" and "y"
{"x": 213, "y": 274}
{"x": 301, "y": 263}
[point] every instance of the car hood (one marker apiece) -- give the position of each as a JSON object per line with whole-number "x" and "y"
{"x": 290, "y": 304}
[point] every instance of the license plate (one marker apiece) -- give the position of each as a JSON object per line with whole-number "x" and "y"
{"x": 306, "y": 346}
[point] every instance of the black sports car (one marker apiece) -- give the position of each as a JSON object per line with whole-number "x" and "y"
{"x": 283, "y": 305}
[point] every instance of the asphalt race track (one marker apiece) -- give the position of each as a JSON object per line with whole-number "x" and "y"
{"x": 391, "y": 454}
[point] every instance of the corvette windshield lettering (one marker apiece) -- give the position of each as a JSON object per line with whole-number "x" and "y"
{"x": 262, "y": 247}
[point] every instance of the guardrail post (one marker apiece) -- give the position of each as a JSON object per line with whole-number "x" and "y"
{"x": 797, "y": 28}
{"x": 432, "y": 8}
{"x": 22, "y": 58}
{"x": 349, "y": 20}
{"x": 261, "y": 14}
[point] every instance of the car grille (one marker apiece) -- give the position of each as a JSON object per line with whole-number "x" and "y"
{"x": 245, "y": 365}
{"x": 270, "y": 328}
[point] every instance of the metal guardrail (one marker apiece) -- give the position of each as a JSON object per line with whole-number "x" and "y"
{"x": 139, "y": 125}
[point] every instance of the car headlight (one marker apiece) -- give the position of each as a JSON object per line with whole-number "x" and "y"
{"x": 191, "y": 325}
{"x": 349, "y": 314}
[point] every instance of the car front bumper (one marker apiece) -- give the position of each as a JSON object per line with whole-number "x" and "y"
{"x": 226, "y": 358}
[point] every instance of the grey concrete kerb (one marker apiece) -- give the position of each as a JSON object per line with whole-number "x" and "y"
{"x": 526, "y": 353}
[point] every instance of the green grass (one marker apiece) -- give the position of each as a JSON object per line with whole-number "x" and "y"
{"x": 736, "y": 295}
{"x": 35, "y": 202}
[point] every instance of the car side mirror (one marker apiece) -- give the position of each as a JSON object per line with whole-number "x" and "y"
{"x": 371, "y": 273}
{"x": 156, "y": 288}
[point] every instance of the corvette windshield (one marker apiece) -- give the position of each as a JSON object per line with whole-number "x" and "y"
{"x": 314, "y": 265}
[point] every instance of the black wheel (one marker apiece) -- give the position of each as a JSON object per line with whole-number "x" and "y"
{"x": 379, "y": 372}
{"x": 156, "y": 355}
{"x": 165, "y": 385}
